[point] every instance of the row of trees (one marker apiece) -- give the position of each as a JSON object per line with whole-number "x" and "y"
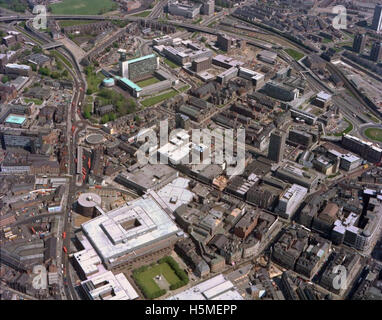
{"x": 182, "y": 275}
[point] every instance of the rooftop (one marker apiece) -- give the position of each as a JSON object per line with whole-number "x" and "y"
{"x": 126, "y": 229}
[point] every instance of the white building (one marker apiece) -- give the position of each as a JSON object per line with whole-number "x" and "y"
{"x": 216, "y": 288}
{"x": 108, "y": 286}
{"x": 290, "y": 200}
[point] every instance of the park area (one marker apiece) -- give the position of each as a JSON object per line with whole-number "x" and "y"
{"x": 156, "y": 279}
{"x": 374, "y": 134}
{"x": 82, "y": 7}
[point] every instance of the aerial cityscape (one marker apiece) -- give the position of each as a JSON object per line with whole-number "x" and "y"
{"x": 191, "y": 150}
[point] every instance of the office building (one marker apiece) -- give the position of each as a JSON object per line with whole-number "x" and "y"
{"x": 359, "y": 43}
{"x": 18, "y": 69}
{"x": 107, "y": 286}
{"x": 133, "y": 235}
{"x": 139, "y": 68}
{"x": 276, "y": 146}
{"x": 349, "y": 231}
{"x": 281, "y": 91}
{"x": 225, "y": 42}
{"x": 365, "y": 149}
{"x": 351, "y": 261}
{"x": 201, "y": 64}
{"x": 290, "y": 200}
{"x": 377, "y": 18}
{"x": 182, "y": 121}
{"x": 293, "y": 174}
{"x": 150, "y": 177}
{"x": 208, "y": 7}
{"x": 376, "y": 52}
{"x": 216, "y": 288}
{"x": 186, "y": 10}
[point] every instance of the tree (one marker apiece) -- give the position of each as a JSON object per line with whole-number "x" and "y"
{"x": 44, "y": 71}
{"x": 87, "y": 114}
{"x": 5, "y": 79}
{"x": 37, "y": 49}
{"x": 112, "y": 116}
{"x": 105, "y": 118}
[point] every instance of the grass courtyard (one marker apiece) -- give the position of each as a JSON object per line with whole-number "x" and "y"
{"x": 156, "y": 279}
{"x": 374, "y": 134}
{"x": 171, "y": 64}
{"x": 82, "y": 7}
{"x": 147, "y": 82}
{"x": 159, "y": 98}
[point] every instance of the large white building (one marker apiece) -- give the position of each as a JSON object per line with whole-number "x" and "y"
{"x": 108, "y": 286}
{"x": 138, "y": 230}
{"x": 216, "y": 288}
{"x": 290, "y": 200}
{"x": 187, "y": 10}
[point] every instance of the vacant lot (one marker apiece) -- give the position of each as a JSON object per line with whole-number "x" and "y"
{"x": 374, "y": 134}
{"x": 142, "y": 14}
{"x": 296, "y": 55}
{"x": 70, "y": 23}
{"x": 85, "y": 7}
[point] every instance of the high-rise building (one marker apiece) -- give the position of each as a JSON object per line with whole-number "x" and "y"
{"x": 377, "y": 19}
{"x": 276, "y": 146}
{"x": 376, "y": 52}
{"x": 208, "y": 7}
{"x": 359, "y": 43}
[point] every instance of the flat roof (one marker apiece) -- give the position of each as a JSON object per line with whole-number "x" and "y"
{"x": 111, "y": 240}
{"x": 216, "y": 288}
{"x": 15, "y": 119}
{"x": 130, "y": 83}
{"x": 141, "y": 58}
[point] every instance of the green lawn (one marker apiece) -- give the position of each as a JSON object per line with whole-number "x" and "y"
{"x": 70, "y": 23}
{"x": 142, "y": 14}
{"x": 84, "y": 7}
{"x": 159, "y": 98}
{"x": 294, "y": 54}
{"x": 147, "y": 82}
{"x": 146, "y": 282}
{"x": 171, "y": 64}
{"x": 36, "y": 101}
{"x": 59, "y": 56}
{"x": 184, "y": 88}
{"x": 373, "y": 118}
{"x": 326, "y": 40}
{"x": 374, "y": 134}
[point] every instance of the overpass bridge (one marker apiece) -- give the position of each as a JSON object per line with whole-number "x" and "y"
{"x": 51, "y": 45}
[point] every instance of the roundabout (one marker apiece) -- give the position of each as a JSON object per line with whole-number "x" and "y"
{"x": 372, "y": 132}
